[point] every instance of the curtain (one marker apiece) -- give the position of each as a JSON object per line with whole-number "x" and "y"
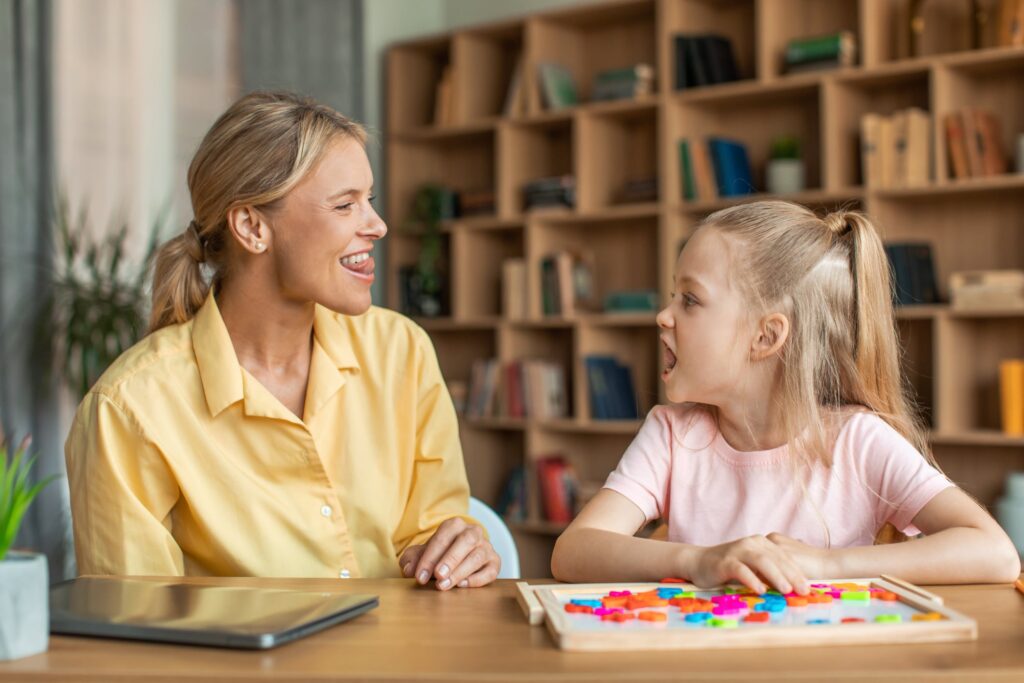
{"x": 28, "y": 399}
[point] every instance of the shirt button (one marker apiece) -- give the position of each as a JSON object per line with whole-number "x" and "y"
{"x": 344, "y": 574}
{"x": 326, "y": 510}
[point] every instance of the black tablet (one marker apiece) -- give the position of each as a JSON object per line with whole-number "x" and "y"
{"x": 218, "y": 616}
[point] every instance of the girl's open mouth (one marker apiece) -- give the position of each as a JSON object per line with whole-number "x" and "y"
{"x": 670, "y": 359}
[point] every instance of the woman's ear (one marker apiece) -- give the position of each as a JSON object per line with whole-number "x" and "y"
{"x": 249, "y": 228}
{"x": 772, "y": 333}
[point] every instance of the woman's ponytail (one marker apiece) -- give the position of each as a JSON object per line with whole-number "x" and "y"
{"x": 179, "y": 288}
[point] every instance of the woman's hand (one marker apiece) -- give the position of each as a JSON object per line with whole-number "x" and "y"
{"x": 813, "y": 562}
{"x": 458, "y": 554}
{"x": 753, "y": 561}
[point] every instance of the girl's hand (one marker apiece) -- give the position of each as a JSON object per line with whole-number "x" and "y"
{"x": 458, "y": 554}
{"x": 753, "y": 561}
{"x": 813, "y": 562}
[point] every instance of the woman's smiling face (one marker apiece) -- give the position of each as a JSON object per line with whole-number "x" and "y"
{"x": 323, "y": 232}
{"x": 705, "y": 329}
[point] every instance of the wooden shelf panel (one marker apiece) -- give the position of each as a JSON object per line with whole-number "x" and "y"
{"x": 976, "y": 438}
{"x": 1010, "y": 183}
{"x": 816, "y": 198}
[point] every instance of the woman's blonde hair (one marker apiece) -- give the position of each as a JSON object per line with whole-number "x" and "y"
{"x": 830, "y": 276}
{"x": 255, "y": 153}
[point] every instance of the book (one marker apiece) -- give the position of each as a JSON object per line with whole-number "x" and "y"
{"x": 913, "y": 273}
{"x": 703, "y": 170}
{"x": 974, "y": 144}
{"x": 990, "y": 139}
{"x": 610, "y": 389}
{"x": 1011, "y": 23}
{"x": 567, "y": 283}
{"x": 556, "y": 484}
{"x": 513, "y": 289}
{"x": 956, "y": 143}
{"x": 625, "y": 83}
{"x": 1011, "y": 396}
{"x": 732, "y": 167}
{"x": 512, "y": 500}
{"x": 517, "y": 389}
{"x": 840, "y": 47}
{"x": 918, "y": 165}
{"x": 870, "y": 156}
{"x": 547, "y": 192}
{"x": 558, "y": 86}
{"x": 515, "y": 99}
{"x": 899, "y": 146}
{"x": 981, "y": 290}
{"x": 689, "y": 187}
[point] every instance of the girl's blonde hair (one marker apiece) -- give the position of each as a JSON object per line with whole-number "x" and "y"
{"x": 831, "y": 278}
{"x": 255, "y": 153}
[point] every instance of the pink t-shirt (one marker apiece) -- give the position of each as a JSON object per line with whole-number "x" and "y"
{"x": 680, "y": 468}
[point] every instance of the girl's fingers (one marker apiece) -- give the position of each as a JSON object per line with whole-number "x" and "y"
{"x": 769, "y": 569}
{"x": 748, "y": 578}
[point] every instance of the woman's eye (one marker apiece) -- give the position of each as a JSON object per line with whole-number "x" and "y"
{"x": 373, "y": 198}
{"x": 344, "y": 207}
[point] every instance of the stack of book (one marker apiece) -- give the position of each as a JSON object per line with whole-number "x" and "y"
{"x": 714, "y": 167}
{"x": 820, "y": 52}
{"x": 477, "y": 202}
{"x": 638, "y": 190}
{"x": 517, "y": 389}
{"x": 975, "y": 141}
{"x": 556, "y": 191}
{"x": 623, "y": 84}
{"x": 913, "y": 273}
{"x": 612, "y": 396}
{"x": 896, "y": 150}
{"x": 987, "y": 290}
{"x": 631, "y": 301}
{"x": 556, "y": 482}
{"x": 704, "y": 59}
{"x": 566, "y": 283}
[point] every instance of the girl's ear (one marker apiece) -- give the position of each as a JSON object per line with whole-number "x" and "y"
{"x": 248, "y": 227}
{"x": 772, "y": 333}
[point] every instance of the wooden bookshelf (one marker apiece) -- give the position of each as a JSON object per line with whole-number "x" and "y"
{"x": 951, "y": 357}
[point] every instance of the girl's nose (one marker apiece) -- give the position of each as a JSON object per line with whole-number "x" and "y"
{"x": 664, "y": 319}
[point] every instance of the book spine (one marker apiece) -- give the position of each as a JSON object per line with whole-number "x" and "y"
{"x": 1011, "y": 396}
{"x": 686, "y": 171}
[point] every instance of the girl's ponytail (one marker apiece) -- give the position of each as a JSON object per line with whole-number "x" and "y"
{"x": 179, "y": 288}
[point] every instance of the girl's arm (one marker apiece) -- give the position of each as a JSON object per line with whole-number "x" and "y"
{"x": 600, "y": 545}
{"x": 963, "y": 544}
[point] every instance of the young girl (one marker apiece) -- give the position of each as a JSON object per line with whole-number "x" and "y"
{"x": 790, "y": 443}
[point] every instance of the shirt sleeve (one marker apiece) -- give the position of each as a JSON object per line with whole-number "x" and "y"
{"x": 900, "y": 476}
{"x": 439, "y": 488}
{"x": 122, "y": 494}
{"x": 643, "y": 474}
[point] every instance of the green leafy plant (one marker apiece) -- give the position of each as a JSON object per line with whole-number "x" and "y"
{"x": 16, "y": 493}
{"x": 785, "y": 147}
{"x": 98, "y": 301}
{"x": 427, "y": 212}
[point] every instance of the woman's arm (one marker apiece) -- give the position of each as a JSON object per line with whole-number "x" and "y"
{"x": 600, "y": 545}
{"x": 122, "y": 493}
{"x": 962, "y": 544}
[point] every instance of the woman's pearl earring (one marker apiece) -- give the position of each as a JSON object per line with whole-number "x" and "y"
{"x": 260, "y": 246}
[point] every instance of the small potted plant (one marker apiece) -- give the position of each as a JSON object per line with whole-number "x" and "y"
{"x": 24, "y": 579}
{"x": 785, "y": 173}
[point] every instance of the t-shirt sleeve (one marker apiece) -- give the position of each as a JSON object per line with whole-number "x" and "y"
{"x": 904, "y": 481}
{"x": 643, "y": 474}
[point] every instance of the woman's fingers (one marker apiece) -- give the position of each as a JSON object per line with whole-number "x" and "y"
{"x": 483, "y": 576}
{"x": 464, "y": 550}
{"x": 437, "y": 546}
{"x": 410, "y": 558}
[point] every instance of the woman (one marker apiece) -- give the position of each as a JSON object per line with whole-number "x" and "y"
{"x": 273, "y": 423}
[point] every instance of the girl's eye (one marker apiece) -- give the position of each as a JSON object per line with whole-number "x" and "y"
{"x": 688, "y": 301}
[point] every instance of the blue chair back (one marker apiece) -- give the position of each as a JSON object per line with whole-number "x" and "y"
{"x": 501, "y": 538}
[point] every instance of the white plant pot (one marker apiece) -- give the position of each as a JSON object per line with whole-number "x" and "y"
{"x": 785, "y": 176}
{"x": 24, "y": 605}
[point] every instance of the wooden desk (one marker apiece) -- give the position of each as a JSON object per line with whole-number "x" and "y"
{"x": 470, "y": 635}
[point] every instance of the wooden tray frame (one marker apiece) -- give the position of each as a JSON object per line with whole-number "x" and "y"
{"x": 541, "y": 604}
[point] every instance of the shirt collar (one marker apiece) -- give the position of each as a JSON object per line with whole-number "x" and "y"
{"x": 222, "y": 375}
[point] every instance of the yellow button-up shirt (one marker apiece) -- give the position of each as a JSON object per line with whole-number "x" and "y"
{"x": 181, "y": 462}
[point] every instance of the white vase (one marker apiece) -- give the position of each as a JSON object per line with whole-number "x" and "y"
{"x": 785, "y": 176}
{"x": 24, "y": 605}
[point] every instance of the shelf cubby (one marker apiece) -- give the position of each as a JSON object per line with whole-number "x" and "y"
{"x": 623, "y": 252}
{"x": 552, "y": 344}
{"x": 752, "y": 117}
{"x": 780, "y": 21}
{"x": 485, "y": 61}
{"x": 994, "y": 84}
{"x": 477, "y": 260}
{"x": 616, "y": 147}
{"x": 528, "y": 151}
{"x": 461, "y": 162}
{"x": 636, "y": 347}
{"x": 849, "y": 97}
{"x": 404, "y": 250}
{"x": 414, "y": 70}
{"x": 733, "y": 20}
{"x": 917, "y": 339}
{"x": 588, "y": 40}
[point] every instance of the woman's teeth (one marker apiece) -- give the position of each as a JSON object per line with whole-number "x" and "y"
{"x": 355, "y": 259}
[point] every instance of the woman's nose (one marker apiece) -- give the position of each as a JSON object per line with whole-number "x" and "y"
{"x": 375, "y": 226}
